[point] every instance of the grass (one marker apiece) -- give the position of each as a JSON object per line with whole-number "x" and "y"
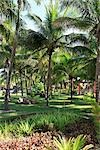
{"x": 60, "y": 102}
{"x": 25, "y": 119}
{"x": 56, "y": 120}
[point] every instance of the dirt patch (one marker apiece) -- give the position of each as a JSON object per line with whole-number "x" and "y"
{"x": 84, "y": 126}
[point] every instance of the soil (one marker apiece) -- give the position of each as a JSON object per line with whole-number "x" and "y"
{"x": 39, "y": 141}
{"x": 84, "y": 126}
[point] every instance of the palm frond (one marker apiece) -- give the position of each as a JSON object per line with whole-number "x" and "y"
{"x": 7, "y": 9}
{"x": 6, "y": 30}
{"x": 33, "y": 40}
{"x": 89, "y": 16}
{"x": 36, "y": 19}
{"x": 78, "y": 23}
{"x": 89, "y": 9}
{"x": 76, "y": 38}
{"x": 24, "y": 4}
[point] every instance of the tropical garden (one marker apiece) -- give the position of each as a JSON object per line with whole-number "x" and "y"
{"x": 49, "y": 75}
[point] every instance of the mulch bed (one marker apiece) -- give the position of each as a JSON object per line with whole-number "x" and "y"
{"x": 39, "y": 141}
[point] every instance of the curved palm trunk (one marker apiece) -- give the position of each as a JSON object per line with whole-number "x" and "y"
{"x": 48, "y": 79}
{"x": 11, "y": 62}
{"x": 9, "y": 77}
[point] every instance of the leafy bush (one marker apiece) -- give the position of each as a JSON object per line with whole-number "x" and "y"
{"x": 37, "y": 88}
{"x": 50, "y": 121}
{"x": 57, "y": 119}
{"x": 24, "y": 128}
{"x": 6, "y": 130}
{"x": 88, "y": 99}
{"x": 72, "y": 144}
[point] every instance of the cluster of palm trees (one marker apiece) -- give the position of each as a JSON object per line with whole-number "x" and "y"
{"x": 51, "y": 53}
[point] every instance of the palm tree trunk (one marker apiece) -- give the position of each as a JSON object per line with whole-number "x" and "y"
{"x": 31, "y": 83}
{"x": 6, "y": 107}
{"x": 48, "y": 79}
{"x": 21, "y": 83}
{"x": 50, "y": 89}
{"x": 71, "y": 85}
{"x": 11, "y": 62}
{"x": 7, "y": 93}
{"x": 64, "y": 84}
{"x": 26, "y": 86}
{"x": 98, "y": 76}
{"x": 61, "y": 86}
{"x": 44, "y": 82}
{"x": 94, "y": 89}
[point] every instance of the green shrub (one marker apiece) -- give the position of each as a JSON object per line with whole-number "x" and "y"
{"x": 71, "y": 144}
{"x": 56, "y": 120}
{"x": 37, "y": 88}
{"x": 6, "y": 130}
{"x": 24, "y": 128}
{"x": 88, "y": 99}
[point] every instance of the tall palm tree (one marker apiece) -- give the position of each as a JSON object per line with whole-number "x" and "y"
{"x": 88, "y": 20}
{"x": 48, "y": 38}
{"x": 7, "y": 10}
{"x": 13, "y": 52}
{"x": 84, "y": 49}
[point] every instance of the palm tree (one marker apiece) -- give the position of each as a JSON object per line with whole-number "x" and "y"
{"x": 84, "y": 55}
{"x": 23, "y": 66}
{"x": 60, "y": 76}
{"x": 48, "y": 38}
{"x": 65, "y": 67}
{"x": 8, "y": 10}
{"x": 13, "y": 52}
{"x": 82, "y": 50}
{"x": 88, "y": 20}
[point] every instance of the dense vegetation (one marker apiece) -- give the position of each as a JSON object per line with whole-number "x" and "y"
{"x": 50, "y": 74}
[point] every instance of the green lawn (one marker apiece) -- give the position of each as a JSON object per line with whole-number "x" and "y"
{"x": 60, "y": 102}
{"x": 23, "y": 119}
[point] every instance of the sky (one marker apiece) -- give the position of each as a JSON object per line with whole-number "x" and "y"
{"x": 35, "y": 9}
{"x": 40, "y": 11}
